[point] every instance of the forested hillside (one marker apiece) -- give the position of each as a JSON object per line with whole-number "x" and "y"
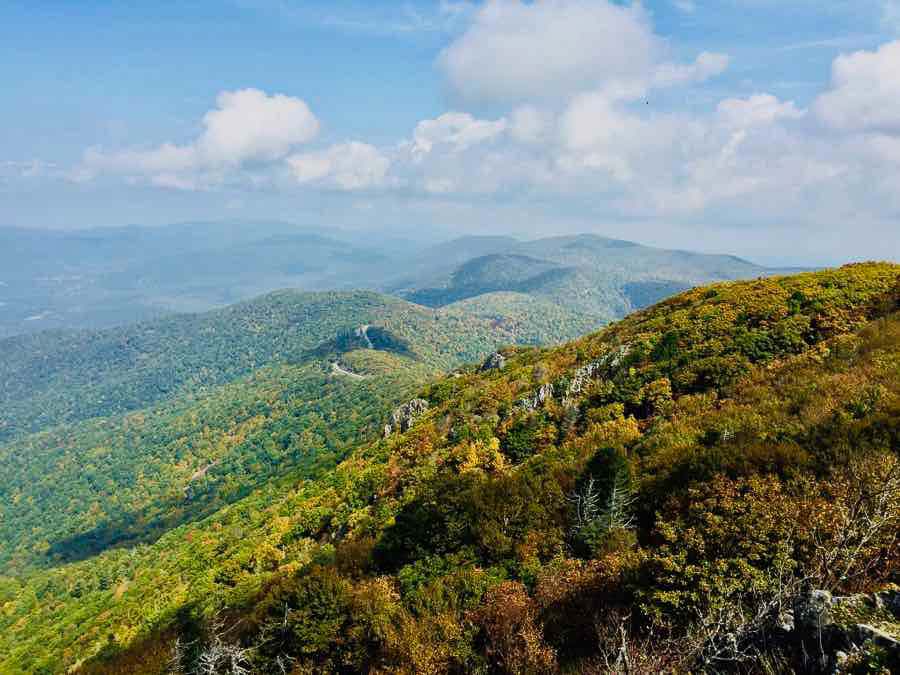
{"x": 136, "y": 430}
{"x": 663, "y": 491}
{"x": 77, "y": 490}
{"x": 596, "y": 277}
{"x": 51, "y": 378}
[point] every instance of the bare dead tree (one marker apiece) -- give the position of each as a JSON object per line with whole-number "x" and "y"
{"x": 619, "y": 511}
{"x": 176, "y": 662}
{"x": 588, "y": 505}
{"x": 221, "y": 657}
{"x": 615, "y": 512}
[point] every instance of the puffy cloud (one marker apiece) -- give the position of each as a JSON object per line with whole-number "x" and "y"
{"x": 528, "y": 124}
{"x": 597, "y": 119}
{"x": 756, "y": 110}
{"x": 247, "y": 125}
{"x": 250, "y": 125}
{"x": 454, "y": 130}
{"x": 348, "y": 166}
{"x": 707, "y": 65}
{"x": 522, "y": 51}
{"x": 865, "y": 91}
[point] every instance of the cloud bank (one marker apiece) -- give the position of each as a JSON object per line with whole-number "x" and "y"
{"x": 246, "y": 126}
{"x": 574, "y": 79}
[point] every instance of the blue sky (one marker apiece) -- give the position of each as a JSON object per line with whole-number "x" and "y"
{"x": 763, "y": 128}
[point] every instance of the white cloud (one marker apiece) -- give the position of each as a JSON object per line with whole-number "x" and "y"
{"x": 250, "y": 125}
{"x": 518, "y": 51}
{"x": 596, "y": 119}
{"x": 454, "y": 130}
{"x": 757, "y": 109}
{"x": 348, "y": 166}
{"x": 686, "y": 6}
{"x": 528, "y": 124}
{"x": 247, "y": 125}
{"x": 707, "y": 65}
{"x": 865, "y": 91}
{"x": 34, "y": 168}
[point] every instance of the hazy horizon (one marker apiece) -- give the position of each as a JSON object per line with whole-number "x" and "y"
{"x": 766, "y": 131}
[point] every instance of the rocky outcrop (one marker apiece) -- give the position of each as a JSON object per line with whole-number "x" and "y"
{"x": 405, "y": 416}
{"x": 580, "y": 379}
{"x": 605, "y": 365}
{"x": 538, "y": 399}
{"x": 812, "y": 611}
{"x": 495, "y": 361}
{"x": 841, "y": 631}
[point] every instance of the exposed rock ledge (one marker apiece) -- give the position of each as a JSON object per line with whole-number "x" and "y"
{"x": 405, "y": 416}
{"x": 840, "y": 630}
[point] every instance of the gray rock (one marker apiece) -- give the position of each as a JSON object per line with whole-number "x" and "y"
{"x": 888, "y": 601}
{"x": 839, "y": 661}
{"x": 614, "y": 359}
{"x": 538, "y": 399}
{"x": 405, "y": 416}
{"x": 878, "y": 637}
{"x": 580, "y": 379}
{"x": 607, "y": 364}
{"x": 786, "y": 621}
{"x": 812, "y": 611}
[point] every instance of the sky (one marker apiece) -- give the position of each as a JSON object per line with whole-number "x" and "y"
{"x": 762, "y": 128}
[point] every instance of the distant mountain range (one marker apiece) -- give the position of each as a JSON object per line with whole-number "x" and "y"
{"x": 115, "y": 276}
{"x": 109, "y": 277}
{"x": 596, "y": 276}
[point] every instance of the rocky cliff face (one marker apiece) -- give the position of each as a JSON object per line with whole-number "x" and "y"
{"x": 405, "y": 416}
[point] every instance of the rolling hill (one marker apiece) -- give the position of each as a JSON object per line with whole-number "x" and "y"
{"x": 591, "y": 275}
{"x": 101, "y": 278}
{"x": 51, "y": 378}
{"x": 666, "y": 488}
{"x": 113, "y": 437}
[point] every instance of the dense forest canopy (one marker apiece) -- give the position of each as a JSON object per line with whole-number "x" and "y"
{"x": 666, "y": 487}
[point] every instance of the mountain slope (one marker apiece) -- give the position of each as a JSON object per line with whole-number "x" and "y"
{"x": 601, "y": 277}
{"x": 489, "y": 536}
{"x": 51, "y": 378}
{"x": 77, "y": 490}
{"x": 114, "y": 437}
